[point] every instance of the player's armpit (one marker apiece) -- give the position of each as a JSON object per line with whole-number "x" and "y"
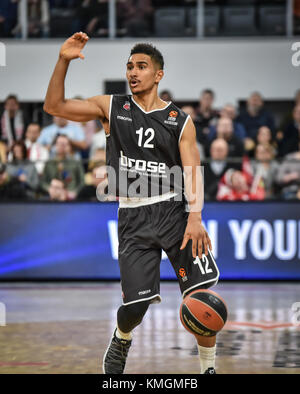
{"x": 96, "y": 107}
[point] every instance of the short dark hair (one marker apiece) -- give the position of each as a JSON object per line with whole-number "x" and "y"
{"x": 57, "y": 137}
{"x": 11, "y": 97}
{"x": 208, "y": 91}
{"x": 22, "y": 145}
{"x": 150, "y": 50}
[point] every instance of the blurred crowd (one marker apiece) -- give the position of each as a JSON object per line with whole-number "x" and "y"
{"x": 245, "y": 155}
{"x": 134, "y": 18}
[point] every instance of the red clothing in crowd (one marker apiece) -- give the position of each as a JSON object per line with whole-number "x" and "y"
{"x": 254, "y": 189}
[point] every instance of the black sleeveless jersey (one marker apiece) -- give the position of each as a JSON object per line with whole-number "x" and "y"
{"x": 142, "y": 149}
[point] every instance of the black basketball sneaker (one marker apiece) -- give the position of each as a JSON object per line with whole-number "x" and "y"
{"x": 210, "y": 371}
{"x": 114, "y": 359}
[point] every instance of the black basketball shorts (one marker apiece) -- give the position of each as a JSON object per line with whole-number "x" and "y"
{"x": 143, "y": 232}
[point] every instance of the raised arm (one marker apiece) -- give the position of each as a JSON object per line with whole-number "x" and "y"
{"x": 76, "y": 110}
{"x": 193, "y": 183}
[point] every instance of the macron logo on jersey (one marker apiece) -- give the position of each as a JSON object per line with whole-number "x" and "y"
{"x": 124, "y": 118}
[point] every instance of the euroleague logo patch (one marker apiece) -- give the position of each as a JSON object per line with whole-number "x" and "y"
{"x": 182, "y": 273}
{"x": 172, "y": 118}
{"x": 173, "y": 114}
{"x": 127, "y": 106}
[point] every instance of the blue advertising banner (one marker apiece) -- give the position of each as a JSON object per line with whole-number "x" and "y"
{"x": 259, "y": 240}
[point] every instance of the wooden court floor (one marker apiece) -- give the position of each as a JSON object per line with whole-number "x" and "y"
{"x": 65, "y": 328}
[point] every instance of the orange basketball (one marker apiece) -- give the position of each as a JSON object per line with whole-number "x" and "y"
{"x": 203, "y": 312}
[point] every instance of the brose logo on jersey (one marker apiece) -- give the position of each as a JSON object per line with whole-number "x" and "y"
{"x": 142, "y": 165}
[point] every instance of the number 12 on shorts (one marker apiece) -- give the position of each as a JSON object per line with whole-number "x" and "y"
{"x": 203, "y": 268}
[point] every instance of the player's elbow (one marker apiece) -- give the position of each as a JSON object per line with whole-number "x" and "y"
{"x": 50, "y": 109}
{"x": 47, "y": 109}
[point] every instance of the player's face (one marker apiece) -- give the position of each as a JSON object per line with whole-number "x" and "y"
{"x": 142, "y": 74}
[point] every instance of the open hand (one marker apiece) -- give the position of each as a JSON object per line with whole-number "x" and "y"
{"x": 197, "y": 233}
{"x": 72, "y": 47}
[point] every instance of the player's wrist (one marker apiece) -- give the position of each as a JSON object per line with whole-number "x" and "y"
{"x": 63, "y": 58}
{"x": 194, "y": 215}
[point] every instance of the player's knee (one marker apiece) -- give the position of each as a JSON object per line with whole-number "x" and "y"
{"x": 130, "y": 316}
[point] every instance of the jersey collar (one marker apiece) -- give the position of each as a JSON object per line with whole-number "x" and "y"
{"x": 153, "y": 110}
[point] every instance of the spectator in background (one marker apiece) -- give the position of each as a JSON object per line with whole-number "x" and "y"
{"x": 291, "y": 135}
{"x": 166, "y": 95}
{"x": 64, "y": 168}
{"x": 136, "y": 17}
{"x": 238, "y": 185}
{"x": 98, "y": 157}
{"x": 98, "y": 175}
{"x": 288, "y": 117}
{"x": 57, "y": 190}
{"x": 288, "y": 176}
{"x": 90, "y": 129}
{"x": 265, "y": 168}
{"x": 13, "y": 121}
{"x": 206, "y": 115}
{"x": 229, "y": 111}
{"x": 62, "y": 126}
{"x": 36, "y": 152}
{"x": 8, "y": 17}
{"x": 225, "y": 130}
{"x": 263, "y": 137}
{"x": 10, "y": 188}
{"x": 98, "y": 143}
{"x": 253, "y": 117}
{"x": 3, "y": 152}
{"x": 216, "y": 168}
{"x": 93, "y": 17}
{"x": 37, "y": 17}
{"x": 22, "y": 169}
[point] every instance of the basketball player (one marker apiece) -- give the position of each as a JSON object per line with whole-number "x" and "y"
{"x": 145, "y": 138}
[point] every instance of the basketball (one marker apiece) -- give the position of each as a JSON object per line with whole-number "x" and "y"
{"x": 203, "y": 312}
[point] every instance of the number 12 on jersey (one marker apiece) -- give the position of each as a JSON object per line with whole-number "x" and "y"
{"x": 204, "y": 259}
{"x": 148, "y": 132}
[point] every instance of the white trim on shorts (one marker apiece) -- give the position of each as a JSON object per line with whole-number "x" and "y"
{"x": 134, "y": 202}
{"x": 203, "y": 283}
{"x": 145, "y": 299}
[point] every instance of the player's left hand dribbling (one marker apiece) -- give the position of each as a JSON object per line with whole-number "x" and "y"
{"x": 197, "y": 233}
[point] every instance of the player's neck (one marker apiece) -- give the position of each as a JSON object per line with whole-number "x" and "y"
{"x": 149, "y": 101}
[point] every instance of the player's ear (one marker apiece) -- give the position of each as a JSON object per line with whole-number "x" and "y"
{"x": 159, "y": 75}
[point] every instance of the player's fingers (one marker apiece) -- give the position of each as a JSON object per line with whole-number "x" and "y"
{"x": 77, "y": 36}
{"x": 209, "y": 242}
{"x": 186, "y": 238}
{"x": 200, "y": 248}
{"x": 205, "y": 244}
{"x": 194, "y": 247}
{"x": 80, "y": 36}
{"x": 81, "y": 56}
